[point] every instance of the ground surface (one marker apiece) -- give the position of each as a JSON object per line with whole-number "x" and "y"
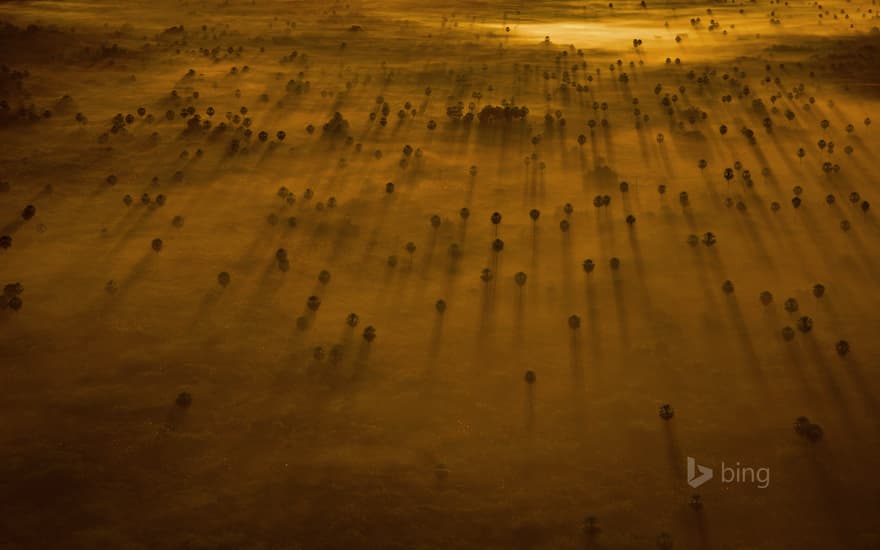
{"x": 429, "y": 436}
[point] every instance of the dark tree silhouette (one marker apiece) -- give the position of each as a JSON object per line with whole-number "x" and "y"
{"x": 574, "y": 322}
{"x": 497, "y": 246}
{"x": 410, "y": 249}
{"x": 805, "y": 324}
{"x": 564, "y": 226}
{"x": 313, "y": 303}
{"x": 29, "y": 212}
{"x": 464, "y": 213}
{"x": 728, "y": 175}
{"x": 661, "y": 189}
{"x": 709, "y": 238}
{"x": 683, "y": 198}
{"x": 486, "y": 275}
{"x": 588, "y": 266}
{"x": 775, "y": 206}
{"x": 865, "y": 206}
{"x": 6, "y": 242}
{"x": 845, "y": 225}
{"x": 496, "y": 220}
{"x": 183, "y": 400}
{"x": 727, "y": 286}
{"x": 568, "y": 209}
{"x": 597, "y": 201}
{"x": 530, "y": 377}
{"x": 223, "y": 279}
{"x": 435, "y": 221}
{"x": 369, "y": 334}
{"x": 842, "y": 347}
{"x": 666, "y": 411}
{"x": 787, "y": 333}
{"x": 389, "y": 187}
{"x": 818, "y": 290}
{"x": 796, "y": 202}
{"x": 702, "y": 164}
{"x": 630, "y": 220}
{"x": 693, "y": 240}
{"x": 324, "y": 277}
{"x": 614, "y": 263}
{"x": 157, "y": 244}
{"x": 520, "y": 279}
{"x": 623, "y": 186}
{"x": 391, "y": 261}
{"x": 127, "y": 200}
{"x": 829, "y": 199}
{"x": 352, "y": 319}
{"x": 766, "y": 298}
{"x": 440, "y": 306}
{"x": 791, "y": 305}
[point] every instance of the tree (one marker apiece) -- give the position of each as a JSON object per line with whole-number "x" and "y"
{"x": 805, "y": 324}
{"x": 829, "y": 199}
{"x": 845, "y": 225}
{"x": 702, "y": 165}
{"x": 661, "y": 189}
{"x": 796, "y": 202}
{"x": 614, "y": 263}
{"x": 630, "y": 220}
{"x": 486, "y": 275}
{"x": 313, "y": 303}
{"x": 324, "y": 277}
{"x": 183, "y": 400}
{"x": 440, "y": 306}
{"x": 709, "y": 238}
{"x": 568, "y": 209}
{"x": 389, "y": 187}
{"x": 842, "y": 347}
{"x": 564, "y": 226}
{"x": 530, "y": 377}
{"x": 157, "y": 245}
{"x": 727, "y": 286}
{"x": 574, "y": 322}
{"x": 791, "y": 305}
{"x": 435, "y": 221}
{"x": 787, "y": 333}
{"x": 352, "y": 319}
{"x": 588, "y": 266}
{"x": 223, "y": 278}
{"x": 29, "y": 212}
{"x": 666, "y": 411}
{"x": 369, "y": 334}
{"x": 464, "y": 213}
{"x": 818, "y": 290}
{"x": 520, "y": 279}
{"x": 728, "y": 175}
{"x": 495, "y": 218}
{"x": 5, "y": 242}
{"x": 766, "y": 298}
{"x": 683, "y": 198}
{"x": 410, "y": 249}
{"x": 497, "y": 246}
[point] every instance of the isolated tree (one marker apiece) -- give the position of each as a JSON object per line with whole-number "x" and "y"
{"x": 324, "y": 277}
{"x": 574, "y": 322}
{"x": 183, "y": 400}
{"x": 666, "y": 411}
{"x": 614, "y": 263}
{"x": 796, "y": 202}
{"x": 805, "y": 324}
{"x": 588, "y": 266}
{"x": 865, "y": 206}
{"x": 564, "y": 226}
{"x": 829, "y": 199}
{"x": 157, "y": 244}
{"x": 590, "y": 525}
{"x": 223, "y": 278}
{"x": 520, "y": 279}
{"x": 497, "y": 246}
{"x": 369, "y": 334}
{"x": 683, "y": 198}
{"x": 728, "y": 175}
{"x": 389, "y": 187}
{"x": 693, "y": 240}
{"x": 440, "y": 306}
{"x": 352, "y": 319}
{"x": 568, "y": 209}
{"x": 727, "y": 286}
{"x": 702, "y": 164}
{"x": 597, "y": 201}
{"x": 791, "y": 305}
{"x": 845, "y": 225}
{"x": 709, "y": 238}
{"x": 391, "y": 261}
{"x": 775, "y": 206}
{"x": 410, "y": 249}
{"x": 530, "y": 377}
{"x": 313, "y": 303}
{"x": 495, "y": 218}
{"x": 661, "y": 189}
{"x": 787, "y": 333}
{"x": 842, "y": 347}
{"x": 5, "y": 242}
{"x": 630, "y": 220}
{"x": 623, "y": 186}
{"x": 486, "y": 275}
{"x": 29, "y": 212}
{"x": 766, "y": 298}
{"x": 435, "y": 221}
{"x": 464, "y": 213}
{"x": 818, "y": 290}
